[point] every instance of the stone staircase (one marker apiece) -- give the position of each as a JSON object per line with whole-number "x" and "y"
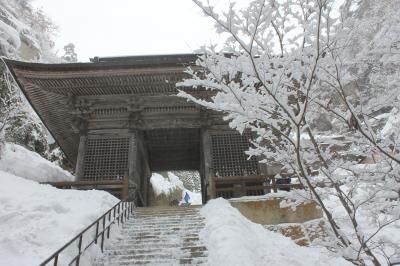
{"x": 159, "y": 236}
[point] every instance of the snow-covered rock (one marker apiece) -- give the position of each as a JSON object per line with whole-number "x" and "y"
{"x": 19, "y": 161}
{"x": 231, "y": 240}
{"x": 36, "y": 220}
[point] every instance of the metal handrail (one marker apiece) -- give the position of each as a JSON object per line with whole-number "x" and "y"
{"x": 119, "y": 211}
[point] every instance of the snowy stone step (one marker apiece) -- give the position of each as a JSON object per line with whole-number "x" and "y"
{"x": 140, "y": 249}
{"x": 161, "y": 220}
{"x": 140, "y": 225}
{"x": 156, "y": 237}
{"x": 174, "y": 222}
{"x": 159, "y": 236}
{"x": 161, "y": 214}
{"x": 154, "y": 241}
{"x": 163, "y": 228}
{"x": 152, "y": 219}
{"x": 166, "y": 209}
{"x": 165, "y": 262}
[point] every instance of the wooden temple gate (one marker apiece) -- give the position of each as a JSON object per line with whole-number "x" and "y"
{"x": 116, "y": 117}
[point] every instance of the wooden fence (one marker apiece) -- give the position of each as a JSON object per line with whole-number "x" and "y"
{"x": 117, "y": 187}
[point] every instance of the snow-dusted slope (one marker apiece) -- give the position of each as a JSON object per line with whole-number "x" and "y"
{"x": 36, "y": 220}
{"x": 19, "y": 161}
{"x": 232, "y": 240}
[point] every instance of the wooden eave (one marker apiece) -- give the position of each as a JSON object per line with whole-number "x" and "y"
{"x": 48, "y": 87}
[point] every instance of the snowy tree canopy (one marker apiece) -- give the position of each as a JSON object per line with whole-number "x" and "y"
{"x": 25, "y": 34}
{"x": 69, "y": 53}
{"x": 290, "y": 65}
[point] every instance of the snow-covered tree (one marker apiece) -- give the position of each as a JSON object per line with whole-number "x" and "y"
{"x": 25, "y": 34}
{"x": 289, "y": 66}
{"x": 190, "y": 179}
{"x": 69, "y": 53}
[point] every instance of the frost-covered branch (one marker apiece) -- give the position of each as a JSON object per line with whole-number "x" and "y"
{"x": 285, "y": 71}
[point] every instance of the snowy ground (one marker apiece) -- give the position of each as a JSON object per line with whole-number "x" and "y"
{"x": 19, "y": 161}
{"x": 234, "y": 240}
{"x": 36, "y": 220}
{"x": 162, "y": 185}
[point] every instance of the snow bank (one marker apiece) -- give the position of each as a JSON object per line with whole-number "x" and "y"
{"x": 162, "y": 185}
{"x": 36, "y": 220}
{"x": 19, "y": 161}
{"x": 231, "y": 240}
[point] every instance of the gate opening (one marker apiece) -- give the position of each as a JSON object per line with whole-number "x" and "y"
{"x": 175, "y": 188}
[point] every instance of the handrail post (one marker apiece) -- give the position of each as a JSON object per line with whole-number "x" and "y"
{"x": 118, "y": 212}
{"x": 55, "y": 260}
{"x": 127, "y": 210}
{"x": 97, "y": 232}
{"x": 122, "y": 213}
{"x": 102, "y": 234}
{"x": 124, "y": 210}
{"x": 109, "y": 225}
{"x": 79, "y": 249}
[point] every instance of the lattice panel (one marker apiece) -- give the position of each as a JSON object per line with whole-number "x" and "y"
{"x": 228, "y": 157}
{"x": 106, "y": 158}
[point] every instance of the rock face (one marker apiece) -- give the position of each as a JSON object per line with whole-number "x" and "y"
{"x": 159, "y": 236}
{"x": 303, "y": 234}
{"x": 271, "y": 211}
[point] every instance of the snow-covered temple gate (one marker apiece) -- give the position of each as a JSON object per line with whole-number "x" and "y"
{"x": 118, "y": 116}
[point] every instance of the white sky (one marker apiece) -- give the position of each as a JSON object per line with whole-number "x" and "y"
{"x": 129, "y": 27}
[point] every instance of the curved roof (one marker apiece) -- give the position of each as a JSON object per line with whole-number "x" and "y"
{"x": 48, "y": 87}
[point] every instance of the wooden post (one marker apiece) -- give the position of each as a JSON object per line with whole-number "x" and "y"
{"x": 125, "y": 188}
{"x": 144, "y": 168}
{"x": 79, "y": 168}
{"x": 207, "y": 157}
{"x": 274, "y": 184}
{"x": 134, "y": 169}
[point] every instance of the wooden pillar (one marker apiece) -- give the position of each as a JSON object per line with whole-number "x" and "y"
{"x": 202, "y": 174}
{"x": 79, "y": 167}
{"x": 138, "y": 168}
{"x": 79, "y": 125}
{"x": 133, "y": 173}
{"x": 145, "y": 172}
{"x": 207, "y": 163}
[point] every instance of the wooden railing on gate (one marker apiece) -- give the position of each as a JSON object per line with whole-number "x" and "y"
{"x": 237, "y": 186}
{"x": 117, "y": 187}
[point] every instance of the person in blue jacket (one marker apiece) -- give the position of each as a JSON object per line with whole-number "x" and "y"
{"x": 186, "y": 198}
